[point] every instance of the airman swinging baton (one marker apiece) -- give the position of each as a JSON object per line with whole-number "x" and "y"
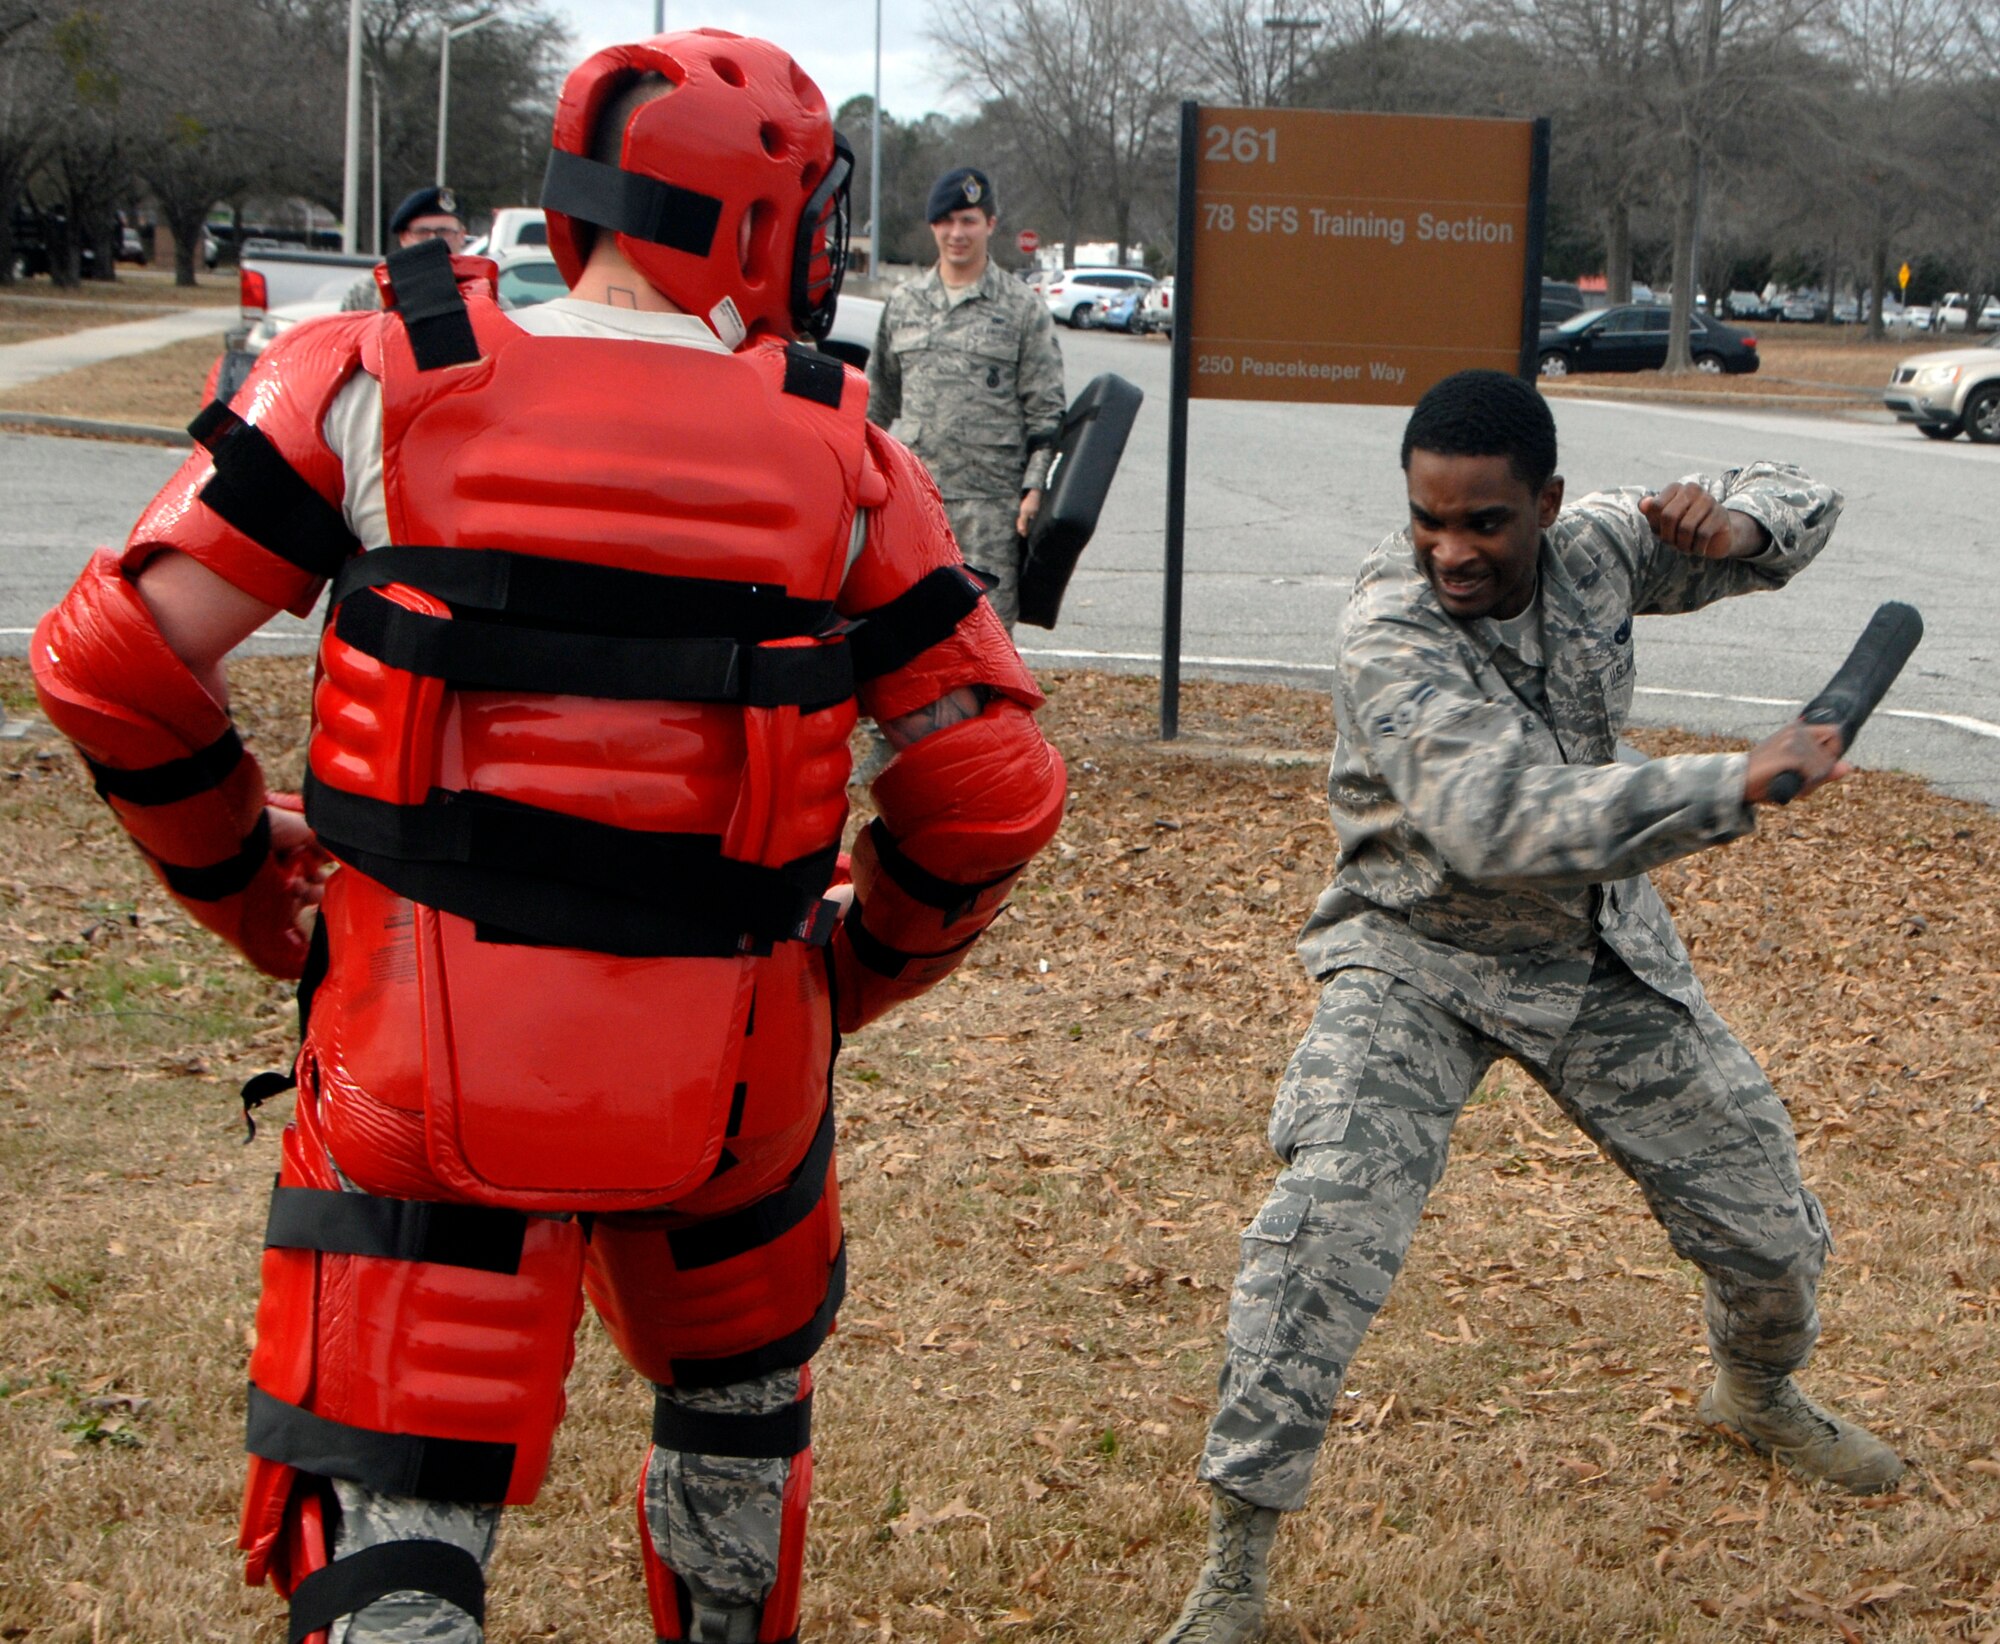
{"x": 1864, "y": 679}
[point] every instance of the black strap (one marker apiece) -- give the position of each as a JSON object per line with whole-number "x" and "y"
{"x": 255, "y": 489}
{"x": 431, "y": 305}
{"x": 948, "y": 896}
{"x": 929, "y": 610}
{"x": 171, "y": 780}
{"x": 766, "y": 1437}
{"x": 722, "y": 1238}
{"x": 459, "y": 849}
{"x": 811, "y": 375}
{"x": 221, "y": 879}
{"x": 407, "y": 1230}
{"x": 786, "y": 1353}
{"x": 358, "y": 1580}
{"x": 881, "y": 958}
{"x": 628, "y": 203}
{"x": 483, "y": 656}
{"x": 591, "y": 599}
{"x": 397, "y": 1464}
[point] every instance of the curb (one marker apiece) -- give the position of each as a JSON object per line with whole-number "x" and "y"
{"x": 33, "y": 422}
{"x": 1856, "y": 400}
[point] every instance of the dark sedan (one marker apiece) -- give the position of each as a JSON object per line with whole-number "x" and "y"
{"x": 1633, "y": 337}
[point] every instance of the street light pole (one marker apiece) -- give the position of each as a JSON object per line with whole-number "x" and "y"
{"x": 375, "y": 215}
{"x": 350, "y": 179}
{"x": 659, "y": 16}
{"x": 447, "y": 34}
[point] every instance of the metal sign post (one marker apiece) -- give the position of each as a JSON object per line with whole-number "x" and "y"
{"x": 1351, "y": 259}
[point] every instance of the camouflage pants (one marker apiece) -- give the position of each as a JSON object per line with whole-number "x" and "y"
{"x": 1363, "y": 1120}
{"x": 986, "y": 536}
{"x": 714, "y": 1520}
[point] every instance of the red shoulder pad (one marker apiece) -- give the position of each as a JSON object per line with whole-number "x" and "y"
{"x": 285, "y": 401}
{"x": 909, "y": 538}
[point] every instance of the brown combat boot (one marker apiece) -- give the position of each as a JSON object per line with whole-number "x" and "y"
{"x": 1227, "y": 1604}
{"x": 1776, "y": 1418}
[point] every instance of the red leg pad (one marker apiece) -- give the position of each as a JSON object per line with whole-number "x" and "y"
{"x": 424, "y": 1347}
{"x": 779, "y": 1623}
{"x": 704, "y": 1301}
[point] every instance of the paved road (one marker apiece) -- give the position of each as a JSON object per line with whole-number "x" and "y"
{"x": 1284, "y": 501}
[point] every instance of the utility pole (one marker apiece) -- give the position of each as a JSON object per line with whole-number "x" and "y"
{"x": 1291, "y": 28}
{"x": 350, "y": 177}
{"x": 875, "y": 159}
{"x": 449, "y": 34}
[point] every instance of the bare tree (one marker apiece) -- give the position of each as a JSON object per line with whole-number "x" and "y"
{"x": 1043, "y": 69}
{"x": 27, "y": 86}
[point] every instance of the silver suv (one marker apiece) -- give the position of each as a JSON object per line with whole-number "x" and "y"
{"x": 1956, "y": 390}
{"x": 1074, "y": 295}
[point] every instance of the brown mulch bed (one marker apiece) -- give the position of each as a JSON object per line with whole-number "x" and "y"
{"x": 1047, "y": 1162}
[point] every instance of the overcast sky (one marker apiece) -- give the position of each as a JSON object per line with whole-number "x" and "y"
{"x": 833, "y": 39}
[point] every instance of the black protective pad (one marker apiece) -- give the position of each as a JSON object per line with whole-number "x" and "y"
{"x": 1093, "y": 438}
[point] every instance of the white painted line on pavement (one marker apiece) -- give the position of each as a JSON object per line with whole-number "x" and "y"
{"x": 1960, "y": 722}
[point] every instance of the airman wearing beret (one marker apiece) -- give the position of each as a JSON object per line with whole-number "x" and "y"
{"x": 427, "y": 214}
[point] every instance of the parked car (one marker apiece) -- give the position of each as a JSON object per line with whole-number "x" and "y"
{"x": 1122, "y": 312}
{"x": 1949, "y": 392}
{"x": 1747, "y": 305}
{"x": 528, "y": 275}
{"x": 512, "y": 228}
{"x": 1158, "y": 307}
{"x": 1073, "y": 294}
{"x": 1803, "y": 307}
{"x": 1633, "y": 337}
{"x": 1562, "y": 301}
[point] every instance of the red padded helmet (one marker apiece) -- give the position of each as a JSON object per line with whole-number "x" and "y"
{"x": 731, "y": 193}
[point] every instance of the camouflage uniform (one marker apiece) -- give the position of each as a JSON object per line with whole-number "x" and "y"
{"x": 1491, "y": 901}
{"x": 976, "y": 379}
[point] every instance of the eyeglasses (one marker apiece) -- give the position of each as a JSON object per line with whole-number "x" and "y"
{"x": 450, "y": 236}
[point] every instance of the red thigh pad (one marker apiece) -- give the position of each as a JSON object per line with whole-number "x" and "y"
{"x": 698, "y": 1302}
{"x": 436, "y": 1370}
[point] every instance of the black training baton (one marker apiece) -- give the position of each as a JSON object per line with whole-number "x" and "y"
{"x": 1864, "y": 679}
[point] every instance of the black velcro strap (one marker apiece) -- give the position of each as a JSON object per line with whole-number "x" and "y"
{"x": 358, "y": 1580}
{"x": 474, "y": 838}
{"x": 786, "y": 1353}
{"x": 644, "y": 207}
{"x": 739, "y": 1232}
{"x": 222, "y": 879}
{"x": 431, "y": 305}
{"x": 590, "y": 599}
{"x": 397, "y": 1464}
{"x": 766, "y": 1437}
{"x": 407, "y": 1230}
{"x": 811, "y": 375}
{"x": 483, "y": 656}
{"x": 948, "y": 896}
{"x": 255, "y": 489}
{"x": 929, "y": 610}
{"x": 173, "y": 779}
{"x": 882, "y": 959}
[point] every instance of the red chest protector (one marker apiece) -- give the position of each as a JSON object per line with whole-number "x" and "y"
{"x": 580, "y": 739}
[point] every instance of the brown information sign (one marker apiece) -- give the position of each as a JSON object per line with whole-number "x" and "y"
{"x": 1356, "y": 258}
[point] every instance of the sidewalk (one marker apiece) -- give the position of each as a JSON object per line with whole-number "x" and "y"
{"x": 23, "y": 363}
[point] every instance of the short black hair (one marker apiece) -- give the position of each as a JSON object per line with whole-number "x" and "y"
{"x": 1486, "y": 414}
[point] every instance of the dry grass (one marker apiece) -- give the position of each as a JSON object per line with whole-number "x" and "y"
{"x": 153, "y": 287}
{"x": 1046, "y": 1163}
{"x": 1799, "y": 362}
{"x": 161, "y": 388}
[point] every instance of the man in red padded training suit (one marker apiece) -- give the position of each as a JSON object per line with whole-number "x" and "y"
{"x": 610, "y": 580}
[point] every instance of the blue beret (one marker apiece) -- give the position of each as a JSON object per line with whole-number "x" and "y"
{"x": 426, "y": 202}
{"x": 955, "y": 190}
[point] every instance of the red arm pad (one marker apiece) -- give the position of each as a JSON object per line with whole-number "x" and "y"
{"x": 908, "y": 538}
{"x": 166, "y": 757}
{"x": 962, "y": 812}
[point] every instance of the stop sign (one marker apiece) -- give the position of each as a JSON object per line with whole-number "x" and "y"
{"x": 1027, "y": 240}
